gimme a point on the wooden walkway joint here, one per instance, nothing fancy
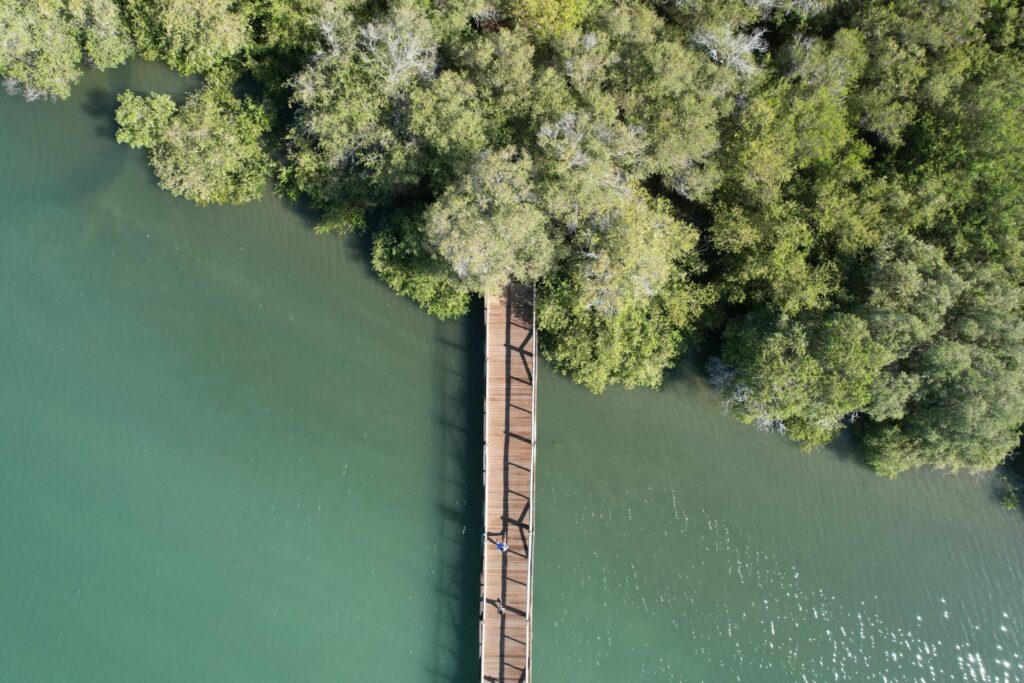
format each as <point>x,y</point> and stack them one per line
<point>506,588</point>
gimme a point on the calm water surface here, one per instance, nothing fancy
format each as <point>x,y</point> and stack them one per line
<point>227,453</point>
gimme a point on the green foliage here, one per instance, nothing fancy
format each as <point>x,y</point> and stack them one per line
<point>549,18</point>
<point>910,290</point>
<point>104,32</point>
<point>44,42</point>
<point>350,146</point>
<point>631,66</point>
<point>208,150</point>
<point>965,410</point>
<point>447,118</point>
<point>193,37</point>
<point>800,377</point>
<point>833,65</point>
<point>623,302</point>
<point>488,225</point>
<point>975,165</point>
<point>453,20</point>
<point>41,50</point>
<point>406,263</point>
<point>285,35</point>
<point>912,261</point>
<point>762,148</point>
<point>768,258</point>
<point>660,84</point>
<point>142,121</point>
<point>634,347</point>
<point>1011,498</point>
<point>919,51</point>
<point>514,96</point>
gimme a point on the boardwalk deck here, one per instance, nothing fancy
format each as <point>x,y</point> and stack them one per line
<point>509,455</point>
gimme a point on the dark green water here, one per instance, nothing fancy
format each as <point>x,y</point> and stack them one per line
<point>227,453</point>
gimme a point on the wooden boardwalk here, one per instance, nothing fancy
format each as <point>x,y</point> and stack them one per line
<point>509,456</point>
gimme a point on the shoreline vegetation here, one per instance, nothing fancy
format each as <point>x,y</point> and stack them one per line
<point>831,189</point>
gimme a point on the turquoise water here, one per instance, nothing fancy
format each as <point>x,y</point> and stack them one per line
<point>228,453</point>
<point>676,544</point>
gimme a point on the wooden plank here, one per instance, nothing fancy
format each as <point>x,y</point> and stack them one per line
<point>509,458</point>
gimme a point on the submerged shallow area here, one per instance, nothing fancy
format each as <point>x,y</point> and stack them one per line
<point>230,453</point>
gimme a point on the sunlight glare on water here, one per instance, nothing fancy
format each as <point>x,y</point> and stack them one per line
<point>678,545</point>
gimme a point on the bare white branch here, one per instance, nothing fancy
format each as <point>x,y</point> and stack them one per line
<point>732,48</point>
<point>399,49</point>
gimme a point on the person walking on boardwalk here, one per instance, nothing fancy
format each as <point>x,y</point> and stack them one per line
<point>501,606</point>
<point>502,545</point>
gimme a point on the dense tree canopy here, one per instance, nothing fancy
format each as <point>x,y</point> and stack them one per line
<point>193,37</point>
<point>488,226</point>
<point>208,150</point>
<point>833,189</point>
<point>43,43</point>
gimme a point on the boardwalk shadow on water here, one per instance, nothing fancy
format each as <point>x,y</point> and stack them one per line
<point>460,363</point>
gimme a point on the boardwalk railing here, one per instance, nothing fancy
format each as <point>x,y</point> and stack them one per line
<point>506,599</point>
